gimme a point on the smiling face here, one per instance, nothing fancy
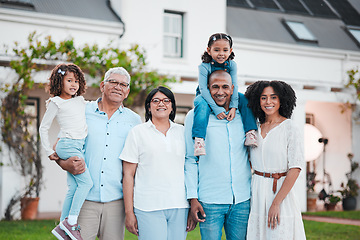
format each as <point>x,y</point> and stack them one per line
<point>269,101</point>
<point>221,88</point>
<point>220,50</point>
<point>70,86</point>
<point>160,107</point>
<point>115,93</point>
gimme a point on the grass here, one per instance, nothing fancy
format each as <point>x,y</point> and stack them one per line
<point>355,215</point>
<point>40,229</point>
<point>330,231</point>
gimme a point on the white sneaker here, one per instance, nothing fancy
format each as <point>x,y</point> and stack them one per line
<point>251,139</point>
<point>199,147</point>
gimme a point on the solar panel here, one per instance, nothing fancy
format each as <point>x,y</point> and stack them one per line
<point>347,12</point>
<point>293,6</point>
<point>238,3</point>
<point>319,8</point>
<point>268,4</point>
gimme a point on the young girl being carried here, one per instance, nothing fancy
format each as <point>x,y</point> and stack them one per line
<point>218,56</point>
<point>67,83</point>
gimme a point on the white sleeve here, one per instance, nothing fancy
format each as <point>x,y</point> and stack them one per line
<point>295,147</point>
<point>130,152</point>
<point>50,114</point>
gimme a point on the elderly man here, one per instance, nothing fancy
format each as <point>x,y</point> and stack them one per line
<point>218,185</point>
<point>109,122</point>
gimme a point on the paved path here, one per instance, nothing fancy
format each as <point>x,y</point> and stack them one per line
<point>332,220</point>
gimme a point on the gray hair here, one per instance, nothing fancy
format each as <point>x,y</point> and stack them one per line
<point>118,70</point>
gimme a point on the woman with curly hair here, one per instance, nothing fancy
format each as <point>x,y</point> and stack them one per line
<point>67,83</point>
<point>277,162</point>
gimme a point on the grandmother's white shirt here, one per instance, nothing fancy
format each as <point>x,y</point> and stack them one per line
<point>159,178</point>
<point>70,114</point>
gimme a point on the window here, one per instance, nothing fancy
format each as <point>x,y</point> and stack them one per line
<point>354,33</point>
<point>299,31</point>
<point>173,34</point>
<point>18,4</point>
<point>32,110</point>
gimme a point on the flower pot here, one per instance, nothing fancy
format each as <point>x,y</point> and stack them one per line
<point>330,206</point>
<point>29,208</point>
<point>311,201</point>
<point>349,203</point>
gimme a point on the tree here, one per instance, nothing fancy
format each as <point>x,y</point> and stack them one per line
<point>24,147</point>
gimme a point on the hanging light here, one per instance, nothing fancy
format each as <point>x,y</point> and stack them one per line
<point>313,148</point>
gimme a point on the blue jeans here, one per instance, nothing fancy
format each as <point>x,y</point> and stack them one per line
<point>202,111</point>
<point>78,185</point>
<point>162,224</point>
<point>233,217</point>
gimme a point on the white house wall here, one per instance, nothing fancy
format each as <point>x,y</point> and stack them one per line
<point>298,65</point>
<point>144,26</point>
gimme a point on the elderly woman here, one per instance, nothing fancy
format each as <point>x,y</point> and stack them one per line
<point>153,167</point>
<point>277,162</point>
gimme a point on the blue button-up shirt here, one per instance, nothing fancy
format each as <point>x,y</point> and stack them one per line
<point>103,145</point>
<point>223,175</point>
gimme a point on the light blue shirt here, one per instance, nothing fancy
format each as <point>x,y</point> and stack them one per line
<point>103,145</point>
<point>223,175</point>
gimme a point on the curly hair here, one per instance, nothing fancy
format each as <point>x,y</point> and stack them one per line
<point>57,77</point>
<point>206,58</point>
<point>168,93</point>
<point>283,90</point>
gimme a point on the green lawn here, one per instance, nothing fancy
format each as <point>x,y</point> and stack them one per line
<point>338,214</point>
<point>40,229</point>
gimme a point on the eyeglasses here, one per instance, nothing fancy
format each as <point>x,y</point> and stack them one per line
<point>157,101</point>
<point>114,83</point>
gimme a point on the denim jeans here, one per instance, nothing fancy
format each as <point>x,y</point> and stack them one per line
<point>201,117</point>
<point>78,185</point>
<point>233,217</point>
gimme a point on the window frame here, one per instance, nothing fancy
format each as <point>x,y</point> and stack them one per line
<point>32,108</point>
<point>352,36</point>
<point>178,36</point>
<point>295,35</point>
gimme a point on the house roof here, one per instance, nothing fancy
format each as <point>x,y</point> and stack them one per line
<point>263,20</point>
<point>90,9</point>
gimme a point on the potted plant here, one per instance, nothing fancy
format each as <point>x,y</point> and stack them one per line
<point>331,201</point>
<point>311,194</point>
<point>23,145</point>
<point>350,189</point>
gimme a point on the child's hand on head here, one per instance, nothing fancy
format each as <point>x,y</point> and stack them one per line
<point>221,116</point>
<point>54,156</point>
<point>231,114</point>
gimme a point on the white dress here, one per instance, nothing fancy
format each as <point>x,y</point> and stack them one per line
<point>279,151</point>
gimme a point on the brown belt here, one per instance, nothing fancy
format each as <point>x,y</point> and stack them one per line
<point>275,176</point>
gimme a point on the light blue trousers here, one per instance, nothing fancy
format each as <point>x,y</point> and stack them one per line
<point>168,224</point>
<point>78,185</point>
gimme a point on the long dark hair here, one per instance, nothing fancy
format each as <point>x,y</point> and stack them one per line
<point>206,58</point>
<point>168,93</point>
<point>283,90</point>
